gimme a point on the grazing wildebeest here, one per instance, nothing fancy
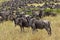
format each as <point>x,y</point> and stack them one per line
<point>40,24</point>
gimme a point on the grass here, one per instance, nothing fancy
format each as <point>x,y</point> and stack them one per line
<point>52,10</point>
<point>9,32</point>
<point>35,4</point>
<point>3,0</point>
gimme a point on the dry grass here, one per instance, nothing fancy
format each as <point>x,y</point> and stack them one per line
<point>40,4</point>
<point>35,4</point>
<point>9,32</point>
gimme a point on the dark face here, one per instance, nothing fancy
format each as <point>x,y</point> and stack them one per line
<point>28,18</point>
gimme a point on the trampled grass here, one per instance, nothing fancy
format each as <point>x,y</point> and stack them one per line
<point>9,32</point>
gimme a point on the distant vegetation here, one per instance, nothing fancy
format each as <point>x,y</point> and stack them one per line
<point>38,4</point>
<point>52,10</point>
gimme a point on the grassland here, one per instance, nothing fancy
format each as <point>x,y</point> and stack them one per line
<point>9,32</point>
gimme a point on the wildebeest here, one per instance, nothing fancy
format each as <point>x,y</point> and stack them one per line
<point>1,19</point>
<point>4,14</point>
<point>57,6</point>
<point>35,13</point>
<point>38,13</point>
<point>22,22</point>
<point>49,14</point>
<point>21,18</point>
<point>40,24</point>
<point>41,13</point>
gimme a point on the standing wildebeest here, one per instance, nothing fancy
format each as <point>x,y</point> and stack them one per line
<point>40,24</point>
<point>22,21</point>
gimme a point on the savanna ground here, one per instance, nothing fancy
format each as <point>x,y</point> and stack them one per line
<point>9,32</point>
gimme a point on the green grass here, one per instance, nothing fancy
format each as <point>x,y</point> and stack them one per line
<point>52,10</point>
<point>9,32</point>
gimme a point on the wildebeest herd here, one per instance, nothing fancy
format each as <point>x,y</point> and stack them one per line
<point>22,19</point>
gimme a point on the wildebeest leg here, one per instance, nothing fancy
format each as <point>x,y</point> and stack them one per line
<point>22,29</point>
<point>48,29</point>
<point>6,17</point>
<point>15,24</point>
<point>33,28</point>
